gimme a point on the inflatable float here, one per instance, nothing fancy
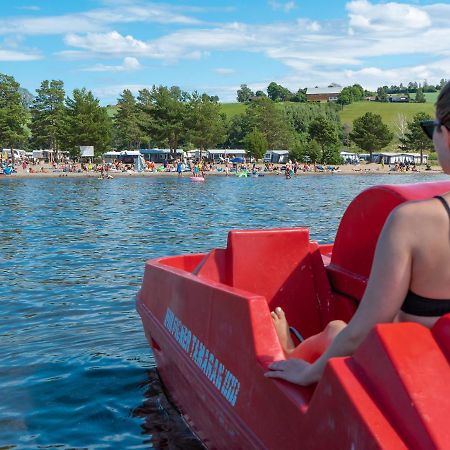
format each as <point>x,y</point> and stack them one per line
<point>197,178</point>
<point>207,318</point>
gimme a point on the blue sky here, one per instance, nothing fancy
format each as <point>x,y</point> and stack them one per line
<point>214,46</point>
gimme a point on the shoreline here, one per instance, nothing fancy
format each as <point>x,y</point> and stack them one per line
<point>367,169</point>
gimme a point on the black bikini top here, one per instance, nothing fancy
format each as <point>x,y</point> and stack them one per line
<point>422,306</point>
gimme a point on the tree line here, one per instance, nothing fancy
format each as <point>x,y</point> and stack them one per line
<point>348,94</point>
<point>169,117</point>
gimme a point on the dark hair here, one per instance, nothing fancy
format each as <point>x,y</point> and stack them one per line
<point>443,105</point>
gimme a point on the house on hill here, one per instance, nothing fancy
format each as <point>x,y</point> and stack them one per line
<point>402,98</point>
<point>323,94</point>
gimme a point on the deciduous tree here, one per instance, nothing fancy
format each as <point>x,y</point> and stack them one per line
<point>325,133</point>
<point>238,127</point>
<point>313,151</point>
<point>420,96</point>
<point>244,94</point>
<point>370,133</point>
<point>256,144</point>
<point>278,93</point>
<point>263,115</point>
<point>415,139</point>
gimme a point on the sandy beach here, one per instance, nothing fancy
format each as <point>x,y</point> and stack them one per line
<point>345,169</point>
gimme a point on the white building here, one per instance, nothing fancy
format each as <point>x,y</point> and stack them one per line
<point>276,156</point>
<point>18,153</point>
<point>349,157</point>
<point>222,154</point>
<point>393,158</point>
<point>159,155</point>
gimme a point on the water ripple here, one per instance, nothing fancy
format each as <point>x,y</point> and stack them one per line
<point>75,368</point>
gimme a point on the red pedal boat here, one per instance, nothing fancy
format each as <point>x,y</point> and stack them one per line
<point>207,318</point>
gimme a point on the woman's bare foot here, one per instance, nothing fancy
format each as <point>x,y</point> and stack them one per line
<point>282,328</point>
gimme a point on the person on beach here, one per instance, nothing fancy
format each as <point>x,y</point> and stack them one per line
<point>409,280</point>
<point>287,172</point>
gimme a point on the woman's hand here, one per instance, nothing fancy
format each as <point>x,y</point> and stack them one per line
<point>296,371</point>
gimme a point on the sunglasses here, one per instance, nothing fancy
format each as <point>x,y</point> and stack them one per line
<point>429,126</point>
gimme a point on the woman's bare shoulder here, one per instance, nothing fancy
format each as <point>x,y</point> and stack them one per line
<point>411,218</point>
<point>421,209</point>
<point>417,218</point>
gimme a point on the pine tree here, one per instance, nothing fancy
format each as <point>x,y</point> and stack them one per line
<point>88,123</point>
<point>206,123</point>
<point>13,115</point>
<point>127,130</point>
<point>164,115</point>
<point>48,116</point>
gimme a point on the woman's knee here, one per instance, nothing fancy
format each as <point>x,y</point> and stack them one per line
<point>333,328</point>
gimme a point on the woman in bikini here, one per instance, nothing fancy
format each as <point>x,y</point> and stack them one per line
<point>409,281</point>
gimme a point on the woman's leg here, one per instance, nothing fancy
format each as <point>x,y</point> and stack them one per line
<point>311,348</point>
<point>314,346</point>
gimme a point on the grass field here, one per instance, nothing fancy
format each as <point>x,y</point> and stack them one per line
<point>431,97</point>
<point>389,112</point>
<point>231,109</point>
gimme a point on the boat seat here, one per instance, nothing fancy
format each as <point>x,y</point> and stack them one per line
<point>283,266</point>
<point>358,233</point>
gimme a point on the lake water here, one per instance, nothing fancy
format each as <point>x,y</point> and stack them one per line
<point>75,368</point>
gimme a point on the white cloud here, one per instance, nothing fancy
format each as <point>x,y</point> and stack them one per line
<point>302,45</point>
<point>129,64</point>
<point>313,26</point>
<point>107,43</point>
<point>10,55</point>
<point>386,17</point>
<point>191,44</point>
<point>95,20</point>
<point>224,71</point>
<point>360,48</point>
<point>280,6</point>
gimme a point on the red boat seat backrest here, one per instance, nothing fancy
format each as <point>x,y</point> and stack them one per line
<point>360,227</point>
<point>286,268</point>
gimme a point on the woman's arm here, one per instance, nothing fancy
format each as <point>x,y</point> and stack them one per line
<point>386,289</point>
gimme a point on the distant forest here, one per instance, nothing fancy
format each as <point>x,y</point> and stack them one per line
<point>168,117</point>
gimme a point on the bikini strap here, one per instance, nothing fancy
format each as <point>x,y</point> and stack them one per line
<point>444,202</point>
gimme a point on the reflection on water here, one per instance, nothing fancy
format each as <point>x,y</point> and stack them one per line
<point>75,368</point>
<point>169,430</point>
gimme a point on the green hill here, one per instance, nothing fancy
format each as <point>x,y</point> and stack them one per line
<point>231,109</point>
<point>389,112</point>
